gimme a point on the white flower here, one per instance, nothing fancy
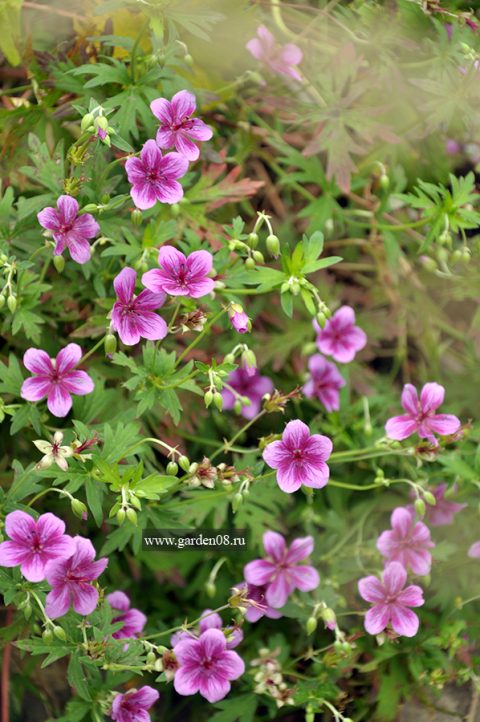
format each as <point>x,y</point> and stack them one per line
<point>53,452</point>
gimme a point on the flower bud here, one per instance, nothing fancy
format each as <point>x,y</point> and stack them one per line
<point>12,304</point>
<point>253,240</point>
<point>237,502</point>
<point>420,507</point>
<point>59,263</point>
<point>59,632</point>
<point>86,122</point>
<point>172,468</point>
<point>311,625</point>
<point>101,122</point>
<point>2,300</point>
<point>210,588</point>
<point>151,658</point>
<point>175,209</point>
<point>47,634</point>
<point>237,406</point>
<point>273,245</point>
<point>134,501</point>
<point>208,397</point>
<point>188,59</point>
<point>132,516</point>
<point>309,714</point>
<point>110,344</point>
<point>429,498</point>
<point>445,239</point>
<point>258,257</point>
<point>121,516</point>
<point>193,468</point>
<point>184,463</point>
<point>384,181</point>
<point>295,287</point>
<point>27,610</point>
<point>136,217</point>
<point>249,263</point>
<point>321,319</point>
<point>229,358</point>
<point>218,400</point>
<point>78,508</point>
<point>90,208</point>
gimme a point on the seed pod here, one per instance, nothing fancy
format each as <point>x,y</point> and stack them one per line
<point>237,406</point>
<point>420,507</point>
<point>132,516</point>
<point>208,398</point>
<point>249,263</point>
<point>12,304</point>
<point>110,344</point>
<point>321,319</point>
<point>258,257</point>
<point>311,625</point>
<point>87,121</point>
<point>253,240</point>
<point>218,400</point>
<point>172,468</point>
<point>151,658</point>
<point>229,358</point>
<point>184,463</point>
<point>47,634</point>
<point>136,217</point>
<point>273,245</point>
<point>59,263</point>
<point>59,632</point>
<point>429,498</point>
<point>121,516</point>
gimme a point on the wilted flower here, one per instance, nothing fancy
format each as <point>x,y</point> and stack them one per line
<point>34,543</point>
<point>133,620</point>
<point>206,666</point>
<point>71,580</point>
<point>341,338</point>
<point>69,229</point>
<point>179,275</point>
<point>249,383</point>
<point>407,542</point>
<point>281,59</point>
<point>281,572</point>
<point>421,416</point>
<point>177,127</point>
<point>299,458</point>
<point>133,706</point>
<point>55,378</point>
<point>205,475</point>
<point>391,601</point>
<point>54,452</point>
<point>154,177</point>
<point>133,316</point>
<point>324,382</point>
<point>192,321</point>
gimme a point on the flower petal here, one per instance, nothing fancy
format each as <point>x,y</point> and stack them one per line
<point>278,591</point>
<point>404,621</point>
<point>431,397</point>
<point>124,284</point>
<point>259,572</point>
<point>183,105</point>
<point>400,427</point>
<point>58,602</point>
<point>68,208</point>
<point>85,598</point>
<point>78,382</point>
<point>377,618</point>
<point>411,596</point>
<point>410,400</point>
<point>68,357</point>
<point>274,545</point>
<point>394,578</point>
<point>305,578</point>
<point>300,549</point>
<point>443,424</point>
<point>371,589</point>
<point>37,361</point>
<point>36,388</point>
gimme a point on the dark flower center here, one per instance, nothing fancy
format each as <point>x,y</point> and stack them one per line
<point>297,455</point>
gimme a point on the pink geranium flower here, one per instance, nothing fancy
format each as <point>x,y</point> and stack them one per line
<point>407,542</point>
<point>340,338</point>
<point>154,177</point>
<point>209,620</point>
<point>421,416</point>
<point>133,706</point>
<point>280,59</point>
<point>69,229</point>
<point>299,458</point>
<point>55,378</point>
<point>474,551</point>
<point>34,543</point>
<point>260,606</point>
<point>281,572</point>
<point>133,620</point>
<point>391,601</point>
<point>133,316</point>
<point>324,383</point>
<point>247,382</point>
<point>444,510</point>
<point>177,127</point>
<point>71,580</point>
<point>206,666</point>
<point>180,275</point>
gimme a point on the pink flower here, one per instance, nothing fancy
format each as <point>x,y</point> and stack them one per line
<point>132,316</point>
<point>421,416</point>
<point>239,320</point>
<point>249,383</point>
<point>206,666</point>
<point>133,620</point>
<point>133,706</point>
<point>281,59</point>
<point>71,579</point>
<point>280,572</point>
<point>341,338</point>
<point>299,458</point>
<point>391,601</point>
<point>69,229</point>
<point>209,620</point>
<point>154,177</point>
<point>474,551</point>
<point>260,607</point>
<point>177,127</point>
<point>407,542</point>
<point>179,275</point>
<point>324,382</point>
<point>444,511</point>
<point>55,378</point>
<point>34,543</point>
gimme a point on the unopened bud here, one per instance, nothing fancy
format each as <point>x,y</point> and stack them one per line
<point>273,245</point>
<point>175,209</point>
<point>2,300</point>
<point>311,625</point>
<point>132,516</point>
<point>47,634</point>
<point>151,658</point>
<point>253,240</point>
<point>59,632</point>
<point>101,122</point>
<point>59,263</point>
<point>249,263</point>
<point>121,516</point>
<point>218,400</point>
<point>321,319</point>
<point>445,239</point>
<point>384,181</point>
<point>229,358</point>
<point>188,59</point>
<point>237,406</point>
<point>12,304</point>
<point>210,588</point>
<point>258,257</point>
<point>429,498</point>
<point>420,507</point>
<point>237,502</point>
<point>249,358</point>
<point>78,508</point>
<point>110,344</point>
<point>193,468</point>
<point>184,463</point>
<point>172,468</point>
<point>136,217</point>
<point>208,398</point>
<point>86,121</point>
<point>27,610</point>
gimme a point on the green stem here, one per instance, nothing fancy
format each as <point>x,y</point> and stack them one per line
<point>92,350</point>
<point>187,626</point>
<point>228,444</point>
<point>62,492</point>
<point>200,336</point>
